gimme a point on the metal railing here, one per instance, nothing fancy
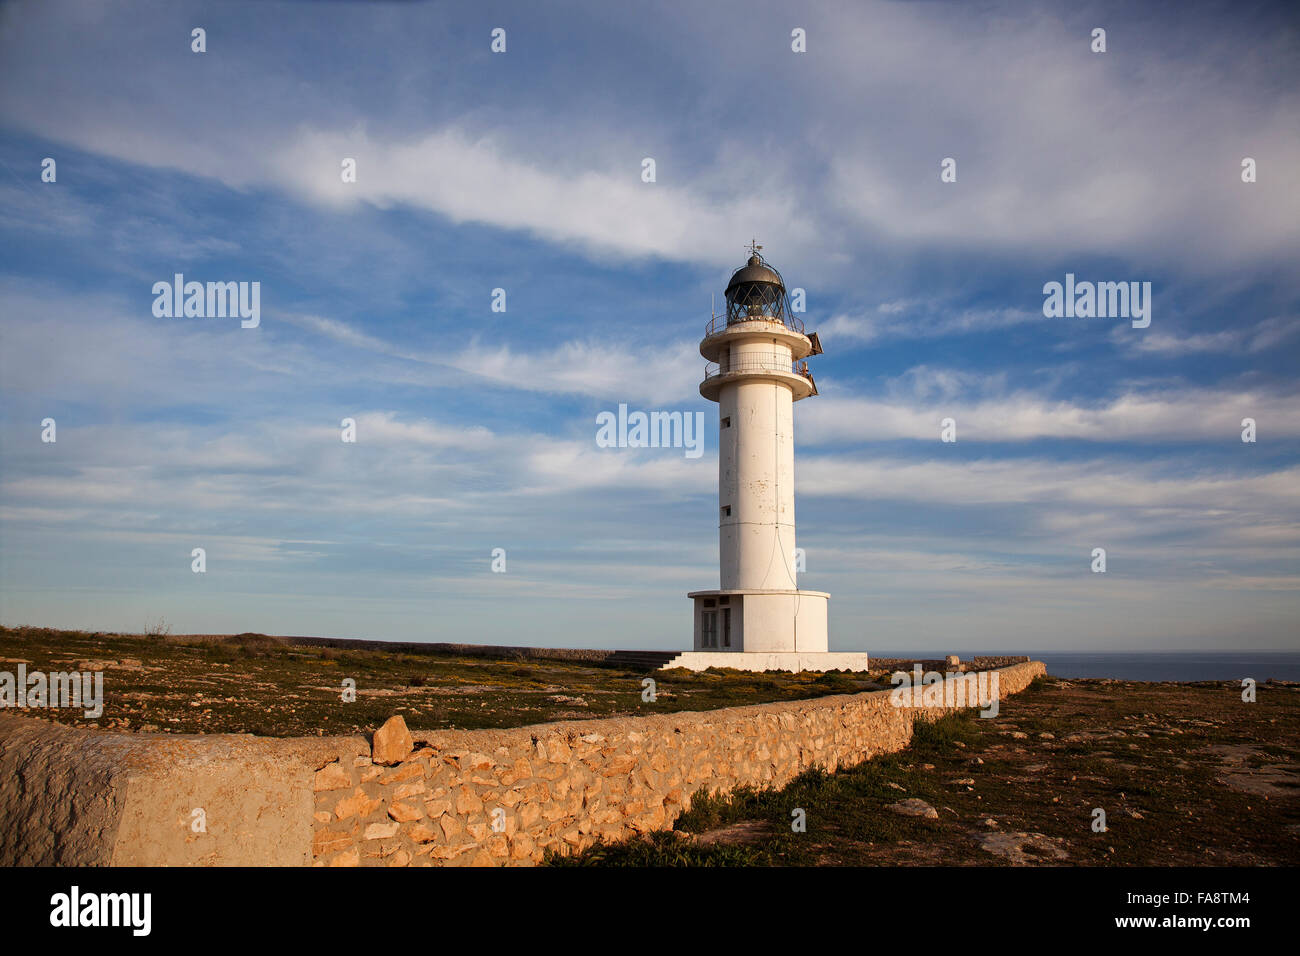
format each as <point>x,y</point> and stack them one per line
<point>719,322</point>
<point>761,362</point>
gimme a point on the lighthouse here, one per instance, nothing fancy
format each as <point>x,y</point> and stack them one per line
<point>759,618</point>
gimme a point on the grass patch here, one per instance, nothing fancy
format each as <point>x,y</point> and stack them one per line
<point>268,686</point>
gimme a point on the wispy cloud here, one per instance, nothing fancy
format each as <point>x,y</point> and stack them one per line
<point>1132,416</point>
<point>1238,339</point>
<point>916,320</point>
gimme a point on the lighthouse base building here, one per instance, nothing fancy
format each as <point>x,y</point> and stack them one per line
<point>759,618</point>
<point>764,631</point>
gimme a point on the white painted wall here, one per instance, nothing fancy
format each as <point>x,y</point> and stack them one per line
<point>786,623</point>
<point>756,478</point>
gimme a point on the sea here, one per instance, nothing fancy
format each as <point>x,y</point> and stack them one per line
<point>1156,666</point>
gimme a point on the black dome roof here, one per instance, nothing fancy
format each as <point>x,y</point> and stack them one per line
<point>756,270</point>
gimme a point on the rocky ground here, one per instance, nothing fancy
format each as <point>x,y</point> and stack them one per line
<point>252,683</point>
<point>1186,774</point>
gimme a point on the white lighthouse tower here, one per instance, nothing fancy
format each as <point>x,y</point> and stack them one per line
<point>759,618</point>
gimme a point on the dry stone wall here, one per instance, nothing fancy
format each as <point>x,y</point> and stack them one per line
<point>476,797</point>
<point>565,786</point>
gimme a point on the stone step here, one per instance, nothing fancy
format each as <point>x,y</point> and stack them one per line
<point>640,660</point>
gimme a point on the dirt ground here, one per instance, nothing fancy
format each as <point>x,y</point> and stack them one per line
<point>270,687</point>
<point>1186,774</point>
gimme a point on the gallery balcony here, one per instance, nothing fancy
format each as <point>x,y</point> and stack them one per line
<point>774,367</point>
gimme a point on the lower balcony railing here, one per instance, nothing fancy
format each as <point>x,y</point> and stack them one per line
<point>751,362</point>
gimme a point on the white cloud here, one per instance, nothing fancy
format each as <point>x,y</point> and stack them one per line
<point>1058,149</point>
<point>346,334</point>
<point>1238,339</point>
<point>1155,416</point>
<point>470,178</point>
<point>1099,483</point>
<point>916,320</point>
<point>667,374</point>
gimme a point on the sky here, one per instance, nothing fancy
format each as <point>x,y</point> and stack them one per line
<point>524,171</point>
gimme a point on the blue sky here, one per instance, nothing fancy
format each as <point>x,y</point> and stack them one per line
<point>522,171</point>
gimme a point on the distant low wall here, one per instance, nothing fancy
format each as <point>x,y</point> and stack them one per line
<point>579,655</point>
<point>78,797</point>
<point>940,664</point>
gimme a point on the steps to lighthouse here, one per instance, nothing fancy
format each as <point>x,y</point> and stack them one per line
<point>640,660</point>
